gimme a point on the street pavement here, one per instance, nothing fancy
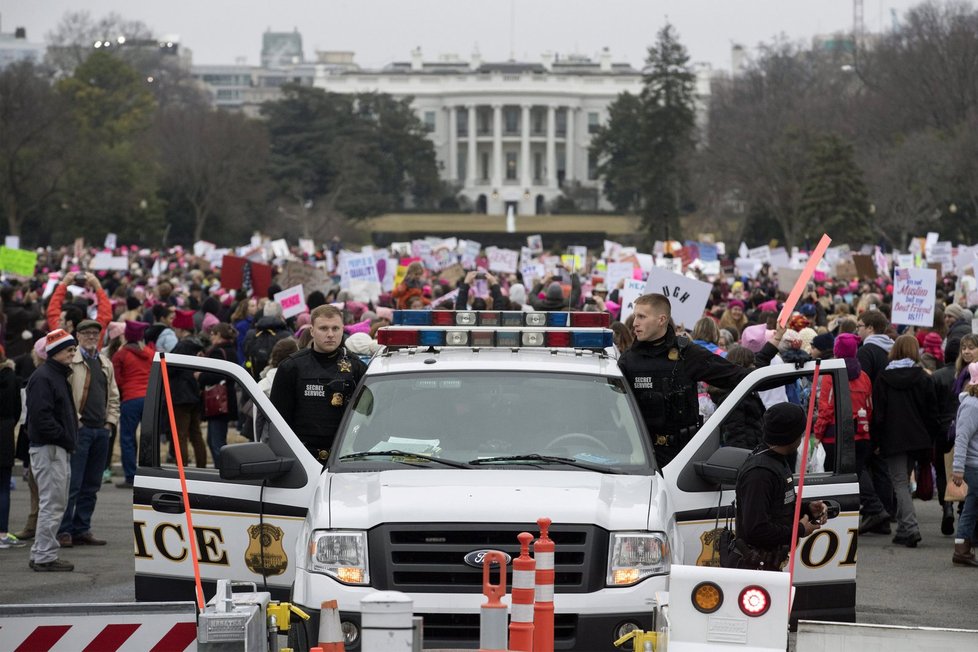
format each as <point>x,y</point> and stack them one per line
<point>895,585</point>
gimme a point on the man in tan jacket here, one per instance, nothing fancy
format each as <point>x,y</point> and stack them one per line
<point>96,397</point>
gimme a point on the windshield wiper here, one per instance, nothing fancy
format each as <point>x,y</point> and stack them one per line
<point>400,453</point>
<point>551,459</point>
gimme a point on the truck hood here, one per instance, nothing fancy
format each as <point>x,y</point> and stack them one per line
<point>615,502</point>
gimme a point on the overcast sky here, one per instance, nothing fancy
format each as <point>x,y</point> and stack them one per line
<point>381,31</point>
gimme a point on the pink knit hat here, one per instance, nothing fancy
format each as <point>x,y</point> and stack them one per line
<point>754,337</point>
<point>973,370</point>
<point>208,321</point>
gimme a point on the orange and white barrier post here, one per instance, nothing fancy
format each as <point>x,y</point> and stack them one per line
<point>543,607</point>
<point>330,631</point>
<point>524,580</point>
<point>492,614</point>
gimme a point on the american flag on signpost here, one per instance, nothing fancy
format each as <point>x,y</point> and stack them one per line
<point>902,275</point>
<point>246,279</point>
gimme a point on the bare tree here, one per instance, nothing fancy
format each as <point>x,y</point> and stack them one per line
<point>73,40</point>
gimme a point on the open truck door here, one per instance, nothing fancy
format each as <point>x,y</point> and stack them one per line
<point>825,564</point>
<point>247,516</point>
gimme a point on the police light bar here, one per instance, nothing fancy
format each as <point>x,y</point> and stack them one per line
<point>501,318</point>
<point>502,329</point>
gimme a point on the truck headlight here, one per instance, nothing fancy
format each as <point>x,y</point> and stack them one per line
<point>342,555</point>
<point>633,556</point>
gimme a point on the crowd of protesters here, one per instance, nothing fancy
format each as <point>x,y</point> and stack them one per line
<point>906,384</point>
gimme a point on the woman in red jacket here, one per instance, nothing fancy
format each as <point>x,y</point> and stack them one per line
<point>132,365</point>
<point>874,517</point>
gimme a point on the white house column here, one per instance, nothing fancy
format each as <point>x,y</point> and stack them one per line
<point>497,145</point>
<point>571,144</point>
<point>551,147</point>
<point>470,168</point>
<point>525,177</point>
<point>452,143</point>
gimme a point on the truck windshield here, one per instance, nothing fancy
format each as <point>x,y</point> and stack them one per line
<point>471,416</point>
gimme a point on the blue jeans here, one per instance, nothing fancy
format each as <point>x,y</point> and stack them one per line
<point>969,515</point>
<point>87,464</point>
<point>130,414</point>
<point>217,436</point>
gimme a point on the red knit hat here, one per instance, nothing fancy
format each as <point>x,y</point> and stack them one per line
<point>184,320</point>
<point>933,344</point>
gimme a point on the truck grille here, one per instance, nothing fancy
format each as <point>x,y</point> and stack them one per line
<point>446,629</point>
<point>429,558</point>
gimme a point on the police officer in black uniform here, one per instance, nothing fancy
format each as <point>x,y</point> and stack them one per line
<point>766,495</point>
<point>313,386</point>
<point>663,370</point>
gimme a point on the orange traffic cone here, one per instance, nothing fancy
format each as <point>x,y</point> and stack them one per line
<point>330,631</point>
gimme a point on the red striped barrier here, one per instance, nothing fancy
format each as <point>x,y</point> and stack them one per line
<point>543,607</point>
<point>117,637</point>
<point>524,581</point>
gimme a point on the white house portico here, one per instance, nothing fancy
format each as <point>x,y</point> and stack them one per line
<point>506,134</point>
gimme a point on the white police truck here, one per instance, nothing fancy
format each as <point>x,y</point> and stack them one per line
<point>467,428</point>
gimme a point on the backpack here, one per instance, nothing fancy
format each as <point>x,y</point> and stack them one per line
<point>260,351</point>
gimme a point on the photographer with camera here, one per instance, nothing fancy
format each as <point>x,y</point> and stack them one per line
<point>765,502</point>
<point>68,315</point>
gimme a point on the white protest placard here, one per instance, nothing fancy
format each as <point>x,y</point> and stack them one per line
<point>449,296</point>
<point>49,287</point>
<point>532,272</point>
<point>632,290</point>
<point>110,241</point>
<point>11,242</point>
<point>780,258</point>
<point>616,272</point>
<point>747,267</point>
<point>534,243</point>
<point>360,267</point>
<point>743,251</point>
<point>469,253</point>
<point>940,252</point>
<point>420,248</point>
<point>504,261</point>
<point>108,261</point>
<point>645,261</point>
<point>687,296</point>
<point>611,250</point>
<point>448,243</point>
<point>308,246</point>
<point>905,260</point>
<point>930,241</point>
<point>292,300</point>
<point>763,254</point>
<point>711,268</point>
<point>787,277</point>
<point>280,248</point>
<point>202,248</point>
<point>914,296</point>
<point>672,264</point>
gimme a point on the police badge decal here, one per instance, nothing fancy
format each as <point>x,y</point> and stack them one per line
<point>265,554</point>
<point>344,366</point>
<point>337,400</point>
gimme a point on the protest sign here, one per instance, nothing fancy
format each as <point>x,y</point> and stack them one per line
<point>401,249</point>
<point>930,241</point>
<point>747,267</point>
<point>110,241</point>
<point>645,261</point>
<point>360,267</point>
<point>617,272</point>
<point>687,296</point>
<point>11,242</point>
<point>672,264</point>
<point>611,250</point>
<point>105,261</point>
<point>18,262</point>
<point>632,290</point>
<point>470,251</point>
<point>532,272</point>
<point>780,258</point>
<point>572,262</point>
<point>452,273</point>
<point>280,249</point>
<point>803,279</point>
<point>202,248</point>
<point>846,271</point>
<point>787,277</point>
<point>233,275</point>
<point>449,296</point>
<point>292,300</point>
<point>914,296</point>
<point>307,246</point>
<point>940,252</point>
<point>420,248</point>
<point>309,277</point>
<point>762,254</point>
<point>709,252</point>
<point>865,266</point>
<point>534,243</point>
<point>905,260</point>
<point>504,261</point>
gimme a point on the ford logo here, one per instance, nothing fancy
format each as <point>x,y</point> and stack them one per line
<point>476,557</point>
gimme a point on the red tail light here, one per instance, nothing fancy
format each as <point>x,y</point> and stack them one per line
<point>754,601</point>
<point>590,320</point>
<point>390,337</point>
<point>558,338</point>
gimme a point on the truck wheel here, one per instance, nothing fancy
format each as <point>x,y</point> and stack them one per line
<point>298,637</point>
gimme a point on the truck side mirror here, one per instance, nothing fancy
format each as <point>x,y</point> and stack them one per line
<point>252,461</point>
<point>722,466</point>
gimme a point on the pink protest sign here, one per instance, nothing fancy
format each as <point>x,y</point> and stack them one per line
<point>806,275</point>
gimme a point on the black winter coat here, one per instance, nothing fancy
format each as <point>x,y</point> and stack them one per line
<point>51,414</point>
<point>873,359</point>
<point>183,386</point>
<point>742,427</point>
<point>904,411</point>
<point>9,411</point>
